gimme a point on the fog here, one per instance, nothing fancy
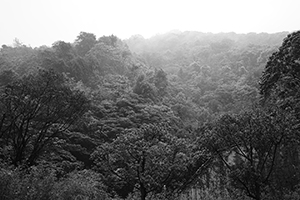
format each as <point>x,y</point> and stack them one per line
<point>37,23</point>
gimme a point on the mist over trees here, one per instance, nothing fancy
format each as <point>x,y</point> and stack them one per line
<point>102,118</point>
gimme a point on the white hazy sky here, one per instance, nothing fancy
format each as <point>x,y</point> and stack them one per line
<point>42,22</point>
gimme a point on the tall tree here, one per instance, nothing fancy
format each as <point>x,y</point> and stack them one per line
<point>251,146</point>
<point>34,111</point>
<point>84,42</point>
<point>151,159</point>
<point>63,50</point>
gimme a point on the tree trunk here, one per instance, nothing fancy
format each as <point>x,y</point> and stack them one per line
<point>143,192</point>
<point>257,192</point>
<point>17,158</point>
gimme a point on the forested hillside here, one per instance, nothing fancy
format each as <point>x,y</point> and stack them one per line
<point>102,118</point>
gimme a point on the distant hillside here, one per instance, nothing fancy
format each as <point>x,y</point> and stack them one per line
<point>176,39</point>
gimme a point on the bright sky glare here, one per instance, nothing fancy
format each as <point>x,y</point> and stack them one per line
<point>42,22</point>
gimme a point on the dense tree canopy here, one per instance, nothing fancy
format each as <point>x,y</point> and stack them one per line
<point>151,159</point>
<point>253,147</point>
<point>102,118</point>
<point>84,42</point>
<point>34,111</point>
<point>281,76</point>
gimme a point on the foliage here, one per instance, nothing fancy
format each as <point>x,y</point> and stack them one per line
<point>36,183</point>
<point>40,182</point>
<point>6,77</point>
<point>149,158</point>
<point>166,114</point>
<point>20,59</point>
<point>251,146</point>
<point>282,70</point>
<point>80,185</point>
<point>34,111</point>
<point>84,42</point>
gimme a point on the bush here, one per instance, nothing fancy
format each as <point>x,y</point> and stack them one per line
<point>40,183</point>
<point>80,185</point>
<point>30,184</point>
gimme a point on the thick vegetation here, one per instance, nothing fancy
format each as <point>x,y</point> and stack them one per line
<point>151,118</point>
